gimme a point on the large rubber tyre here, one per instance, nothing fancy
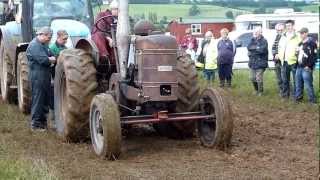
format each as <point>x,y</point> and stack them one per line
<point>105,127</point>
<point>6,70</point>
<point>188,100</point>
<point>74,87</point>
<point>215,132</point>
<point>24,91</point>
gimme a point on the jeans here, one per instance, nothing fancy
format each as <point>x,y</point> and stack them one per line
<point>286,69</point>
<point>277,69</point>
<point>209,74</point>
<point>304,77</point>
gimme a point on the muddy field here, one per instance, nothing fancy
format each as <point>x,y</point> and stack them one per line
<point>268,143</point>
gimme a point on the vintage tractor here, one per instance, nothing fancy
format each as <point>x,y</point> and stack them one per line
<point>148,83</point>
<point>74,16</point>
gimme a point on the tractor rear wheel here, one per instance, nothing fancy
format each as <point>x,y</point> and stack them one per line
<point>215,131</point>
<point>24,91</point>
<point>74,87</point>
<point>6,70</point>
<point>105,127</point>
<point>188,100</point>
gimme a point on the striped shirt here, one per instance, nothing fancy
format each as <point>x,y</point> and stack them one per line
<point>276,44</point>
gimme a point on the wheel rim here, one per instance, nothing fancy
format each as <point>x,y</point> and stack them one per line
<point>97,130</point>
<point>207,127</point>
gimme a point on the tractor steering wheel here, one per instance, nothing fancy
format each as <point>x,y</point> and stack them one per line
<point>104,19</point>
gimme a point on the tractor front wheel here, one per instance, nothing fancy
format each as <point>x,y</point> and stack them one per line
<point>215,131</point>
<point>105,127</point>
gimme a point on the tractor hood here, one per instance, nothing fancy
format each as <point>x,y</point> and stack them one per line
<point>76,30</point>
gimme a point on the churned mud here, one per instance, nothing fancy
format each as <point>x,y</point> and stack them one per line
<point>267,143</point>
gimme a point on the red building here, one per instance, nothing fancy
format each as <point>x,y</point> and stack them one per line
<point>199,27</point>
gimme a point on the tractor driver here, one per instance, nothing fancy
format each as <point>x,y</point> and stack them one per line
<point>103,40</point>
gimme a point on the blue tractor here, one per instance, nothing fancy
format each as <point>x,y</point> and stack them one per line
<point>74,16</point>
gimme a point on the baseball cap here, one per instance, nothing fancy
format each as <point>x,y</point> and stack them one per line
<point>303,30</point>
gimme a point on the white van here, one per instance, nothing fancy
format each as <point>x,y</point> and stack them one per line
<point>268,21</point>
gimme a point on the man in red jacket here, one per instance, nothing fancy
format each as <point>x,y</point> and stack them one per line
<point>101,32</point>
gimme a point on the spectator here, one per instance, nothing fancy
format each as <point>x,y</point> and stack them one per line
<point>258,59</point>
<point>210,64</point>
<point>226,52</point>
<point>39,61</point>
<point>288,45</point>
<point>187,39</point>
<point>203,49</point>
<point>279,28</point>
<point>190,51</point>
<point>306,60</point>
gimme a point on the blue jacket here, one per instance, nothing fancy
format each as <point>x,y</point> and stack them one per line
<point>38,61</point>
<point>226,51</point>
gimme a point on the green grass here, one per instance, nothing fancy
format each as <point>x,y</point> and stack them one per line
<point>307,8</point>
<point>12,169</point>
<point>14,163</point>
<point>310,8</point>
<point>174,11</point>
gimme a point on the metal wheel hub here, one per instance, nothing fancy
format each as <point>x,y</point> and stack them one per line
<point>207,127</point>
<point>97,130</point>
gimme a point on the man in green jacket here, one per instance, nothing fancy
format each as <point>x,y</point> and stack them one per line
<point>55,49</point>
<point>60,44</point>
<point>287,54</point>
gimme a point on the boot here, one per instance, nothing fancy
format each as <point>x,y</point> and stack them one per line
<point>229,83</point>
<point>260,88</point>
<point>255,86</point>
<point>222,83</point>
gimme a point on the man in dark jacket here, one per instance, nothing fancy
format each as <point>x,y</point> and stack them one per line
<point>226,52</point>
<point>306,61</point>
<point>258,59</point>
<point>40,61</point>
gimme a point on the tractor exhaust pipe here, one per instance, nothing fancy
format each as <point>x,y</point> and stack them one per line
<point>123,29</point>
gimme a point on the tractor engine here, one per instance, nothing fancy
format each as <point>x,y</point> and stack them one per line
<point>151,72</point>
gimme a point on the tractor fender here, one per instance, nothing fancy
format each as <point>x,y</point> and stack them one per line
<point>89,46</point>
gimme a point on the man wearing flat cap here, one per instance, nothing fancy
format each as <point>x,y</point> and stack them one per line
<point>307,55</point>
<point>40,61</point>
